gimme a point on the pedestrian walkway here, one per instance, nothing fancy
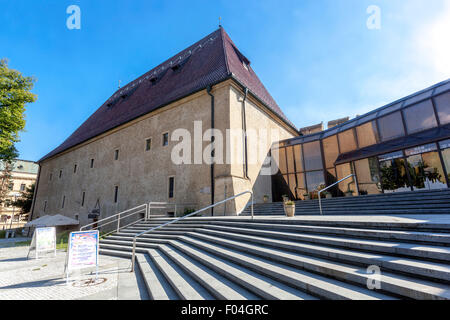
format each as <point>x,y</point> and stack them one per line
<point>44,279</point>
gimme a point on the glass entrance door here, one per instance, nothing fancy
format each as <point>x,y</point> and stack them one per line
<point>393,173</point>
<point>425,169</point>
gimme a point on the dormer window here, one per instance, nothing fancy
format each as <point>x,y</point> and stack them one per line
<point>153,80</point>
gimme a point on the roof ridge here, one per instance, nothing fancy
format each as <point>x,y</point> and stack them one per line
<point>166,64</point>
<point>225,54</point>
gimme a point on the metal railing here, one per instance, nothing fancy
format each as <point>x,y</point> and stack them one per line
<point>165,205</point>
<point>143,208</point>
<point>347,177</point>
<point>133,255</point>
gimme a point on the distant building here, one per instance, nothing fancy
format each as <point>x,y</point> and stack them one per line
<point>312,129</point>
<point>334,123</point>
<point>23,175</point>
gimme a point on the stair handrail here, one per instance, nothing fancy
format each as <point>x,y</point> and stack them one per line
<point>133,255</point>
<point>99,223</point>
<point>164,205</point>
<point>320,199</point>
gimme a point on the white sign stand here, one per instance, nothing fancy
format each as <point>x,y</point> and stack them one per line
<point>82,252</point>
<point>44,240</point>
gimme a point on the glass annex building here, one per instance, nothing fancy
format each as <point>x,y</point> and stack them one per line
<point>403,146</point>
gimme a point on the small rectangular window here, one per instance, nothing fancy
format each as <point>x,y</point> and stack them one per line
<point>75,169</point>
<point>11,186</point>
<point>82,198</point>
<point>116,154</point>
<point>63,201</point>
<point>22,187</point>
<point>51,176</point>
<point>165,141</point>
<point>171,186</point>
<point>148,144</point>
<point>116,193</point>
<point>92,163</point>
<point>45,205</point>
<point>60,174</point>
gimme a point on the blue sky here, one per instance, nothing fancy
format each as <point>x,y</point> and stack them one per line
<point>317,58</point>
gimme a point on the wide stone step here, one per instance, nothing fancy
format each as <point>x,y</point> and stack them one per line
<point>366,211</point>
<point>431,252</point>
<point>354,221</point>
<point>220,287</point>
<point>157,286</point>
<point>186,287</point>
<point>430,270</point>
<point>358,205</point>
<point>299,279</point>
<point>261,286</point>
<point>396,248</point>
<point>409,236</point>
<point>405,222</point>
<point>392,283</point>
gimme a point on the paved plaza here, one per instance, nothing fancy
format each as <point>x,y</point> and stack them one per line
<point>43,279</point>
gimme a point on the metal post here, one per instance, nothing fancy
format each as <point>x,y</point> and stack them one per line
<point>320,203</point>
<point>118,223</point>
<point>133,254</point>
<point>252,205</point>
<point>225,204</point>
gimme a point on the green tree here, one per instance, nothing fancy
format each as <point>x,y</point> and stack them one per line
<point>14,95</point>
<point>25,200</point>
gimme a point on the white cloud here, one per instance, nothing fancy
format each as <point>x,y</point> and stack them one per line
<point>433,41</point>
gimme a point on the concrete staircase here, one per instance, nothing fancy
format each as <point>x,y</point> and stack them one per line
<point>281,258</point>
<point>418,202</point>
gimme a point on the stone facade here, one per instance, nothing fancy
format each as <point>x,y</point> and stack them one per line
<point>143,176</point>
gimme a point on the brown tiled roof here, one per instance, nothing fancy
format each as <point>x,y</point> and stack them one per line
<point>211,60</point>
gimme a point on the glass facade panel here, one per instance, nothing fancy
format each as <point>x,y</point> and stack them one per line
<point>301,188</point>
<point>367,134</point>
<point>420,117</point>
<point>368,176</point>
<point>347,141</point>
<point>389,109</point>
<point>314,179</point>
<point>443,107</point>
<point>444,144</point>
<point>290,159</point>
<point>426,171</point>
<point>298,157</point>
<point>390,156</point>
<point>391,126</point>
<point>421,149</point>
<point>446,157</point>
<point>343,170</point>
<point>393,175</point>
<point>282,160</point>
<point>330,150</point>
<point>313,156</point>
<point>292,185</point>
